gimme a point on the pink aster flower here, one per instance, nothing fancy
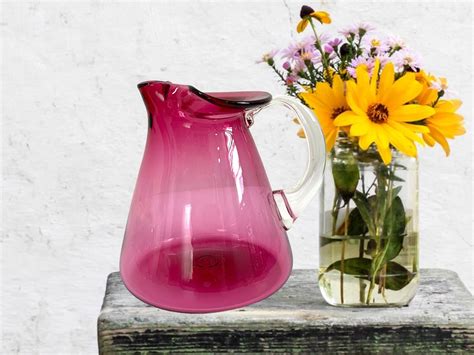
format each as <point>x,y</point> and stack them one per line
<point>357,30</point>
<point>308,56</point>
<point>367,61</point>
<point>349,31</point>
<point>297,66</point>
<point>395,42</point>
<point>323,38</point>
<point>365,27</point>
<point>332,44</point>
<point>291,80</point>
<point>335,42</point>
<point>375,46</point>
<point>316,58</point>
<point>384,59</point>
<point>294,50</point>
<point>406,58</point>
<point>328,49</point>
<point>267,57</point>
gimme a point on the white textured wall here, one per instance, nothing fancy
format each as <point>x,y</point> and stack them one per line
<point>74,130</point>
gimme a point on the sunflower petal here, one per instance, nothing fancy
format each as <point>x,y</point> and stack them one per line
<point>338,91</point>
<point>416,127</point>
<point>428,139</point>
<point>438,137</point>
<point>449,131</point>
<point>353,99</point>
<point>347,118</point>
<point>405,130</point>
<point>331,139</point>
<point>410,113</point>
<point>448,105</point>
<point>427,96</point>
<point>322,109</point>
<point>447,119</point>
<point>382,139</point>
<point>366,140</point>
<point>402,91</point>
<point>375,77</point>
<point>321,16</point>
<point>324,93</point>
<point>359,129</point>
<point>456,103</point>
<point>399,141</point>
<point>385,153</point>
<point>363,87</point>
<point>301,25</point>
<point>386,79</point>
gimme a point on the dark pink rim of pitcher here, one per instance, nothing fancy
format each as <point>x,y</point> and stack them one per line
<point>240,99</point>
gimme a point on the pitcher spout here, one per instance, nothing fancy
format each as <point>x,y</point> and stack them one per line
<point>164,95</point>
<point>154,94</point>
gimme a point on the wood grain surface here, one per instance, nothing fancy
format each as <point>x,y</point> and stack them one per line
<point>440,319</point>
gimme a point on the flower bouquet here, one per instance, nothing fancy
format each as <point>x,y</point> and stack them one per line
<point>375,103</point>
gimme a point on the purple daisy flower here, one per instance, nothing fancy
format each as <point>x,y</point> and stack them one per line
<point>268,56</point>
<point>406,58</point>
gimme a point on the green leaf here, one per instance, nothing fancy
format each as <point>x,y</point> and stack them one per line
<point>400,166</point>
<point>395,219</point>
<point>325,241</point>
<point>371,248</point>
<point>364,210</point>
<point>388,174</point>
<point>380,202</point>
<point>397,275</point>
<point>345,172</point>
<point>394,177</point>
<point>357,225</point>
<point>395,192</point>
<point>394,229</point>
<point>353,266</point>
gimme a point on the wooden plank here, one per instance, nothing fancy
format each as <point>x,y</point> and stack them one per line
<point>439,319</point>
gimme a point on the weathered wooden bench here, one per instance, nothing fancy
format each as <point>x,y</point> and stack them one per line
<point>295,319</point>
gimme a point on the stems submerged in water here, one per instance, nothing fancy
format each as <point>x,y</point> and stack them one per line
<point>343,251</point>
<point>361,281</point>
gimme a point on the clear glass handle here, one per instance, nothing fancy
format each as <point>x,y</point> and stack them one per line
<point>292,201</point>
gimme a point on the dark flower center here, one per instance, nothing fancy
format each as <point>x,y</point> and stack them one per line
<point>305,11</point>
<point>337,111</point>
<point>378,113</point>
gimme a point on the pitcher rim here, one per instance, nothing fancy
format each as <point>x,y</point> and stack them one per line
<point>248,99</point>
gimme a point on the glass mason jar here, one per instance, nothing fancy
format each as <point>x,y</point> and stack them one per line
<point>368,228</point>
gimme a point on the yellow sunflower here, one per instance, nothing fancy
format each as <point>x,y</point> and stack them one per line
<point>327,103</point>
<point>445,123</point>
<point>307,13</point>
<point>428,95</point>
<point>379,112</point>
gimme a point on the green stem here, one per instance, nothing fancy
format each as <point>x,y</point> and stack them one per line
<point>371,289</point>
<point>311,68</point>
<point>324,59</point>
<point>335,211</point>
<point>343,252</point>
<point>379,258</point>
<point>280,75</point>
<point>361,281</point>
<point>361,250</point>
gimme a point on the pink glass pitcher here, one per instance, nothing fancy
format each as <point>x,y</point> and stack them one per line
<point>205,231</point>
